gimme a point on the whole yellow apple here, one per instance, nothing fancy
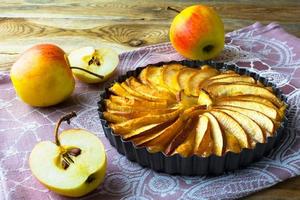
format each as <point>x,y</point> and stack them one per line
<point>42,76</point>
<point>197,33</point>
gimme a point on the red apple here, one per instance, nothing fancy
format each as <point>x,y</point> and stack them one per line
<point>197,33</point>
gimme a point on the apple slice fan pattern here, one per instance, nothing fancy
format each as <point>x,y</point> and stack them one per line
<point>267,50</point>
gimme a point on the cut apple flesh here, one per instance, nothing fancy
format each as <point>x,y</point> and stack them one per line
<point>154,75</point>
<point>126,108</point>
<point>114,118</point>
<point>204,99</point>
<point>134,113</point>
<point>231,126</point>
<point>250,98</point>
<point>136,102</point>
<point>117,89</point>
<point>268,111</point>
<point>101,61</point>
<point>262,120</point>
<point>126,127</point>
<point>143,76</point>
<point>185,100</point>
<point>169,76</point>
<point>203,141</point>
<point>181,136</point>
<point>196,80</point>
<point>148,91</point>
<point>231,79</point>
<point>251,128</point>
<point>217,134</point>
<point>232,143</point>
<point>72,181</point>
<point>158,137</point>
<point>148,130</point>
<point>186,148</point>
<point>238,89</point>
<point>183,78</point>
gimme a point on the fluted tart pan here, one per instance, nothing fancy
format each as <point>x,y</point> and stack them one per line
<point>193,165</point>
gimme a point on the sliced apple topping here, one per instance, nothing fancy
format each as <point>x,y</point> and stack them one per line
<point>204,98</point>
<point>183,78</point>
<point>169,76</point>
<point>197,79</point>
<point>203,140</point>
<point>219,90</point>
<point>252,129</point>
<point>179,110</point>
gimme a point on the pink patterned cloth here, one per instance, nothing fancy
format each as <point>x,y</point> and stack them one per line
<point>268,50</point>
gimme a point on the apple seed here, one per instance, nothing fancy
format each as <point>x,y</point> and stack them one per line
<point>74,152</point>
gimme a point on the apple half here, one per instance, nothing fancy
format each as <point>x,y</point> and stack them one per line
<point>72,166</point>
<point>102,61</point>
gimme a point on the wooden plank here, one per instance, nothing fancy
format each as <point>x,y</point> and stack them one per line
<point>150,10</point>
<point>17,34</point>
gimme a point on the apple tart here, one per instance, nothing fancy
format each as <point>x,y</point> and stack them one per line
<point>182,111</point>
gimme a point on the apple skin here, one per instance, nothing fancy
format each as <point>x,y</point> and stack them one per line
<point>42,76</point>
<point>197,33</point>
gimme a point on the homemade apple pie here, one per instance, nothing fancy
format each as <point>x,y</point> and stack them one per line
<point>176,109</point>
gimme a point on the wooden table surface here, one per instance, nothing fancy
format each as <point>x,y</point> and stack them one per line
<point>126,25</point>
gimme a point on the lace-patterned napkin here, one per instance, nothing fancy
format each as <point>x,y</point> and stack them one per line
<point>268,50</point>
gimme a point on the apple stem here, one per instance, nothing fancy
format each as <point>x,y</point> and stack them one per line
<point>173,9</point>
<point>66,118</point>
<point>87,71</point>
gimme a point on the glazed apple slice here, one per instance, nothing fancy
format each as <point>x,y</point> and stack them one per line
<point>226,75</point>
<point>262,120</point>
<point>250,98</point>
<point>154,75</point>
<point>117,89</point>
<point>203,145</point>
<point>186,100</point>
<point>135,102</point>
<point>204,98</point>
<point>232,143</point>
<point>140,94</point>
<point>121,116</point>
<point>251,128</point>
<point>231,126</point>
<point>216,133</point>
<point>196,80</point>
<point>183,78</point>
<point>126,127</point>
<point>157,141</point>
<point>161,137</point>
<point>268,111</point>
<point>143,76</point>
<point>148,91</point>
<point>218,90</point>
<point>169,76</point>
<point>181,137</point>
<point>114,118</point>
<point>186,148</point>
<point>125,108</point>
<point>148,130</point>
<point>231,79</point>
